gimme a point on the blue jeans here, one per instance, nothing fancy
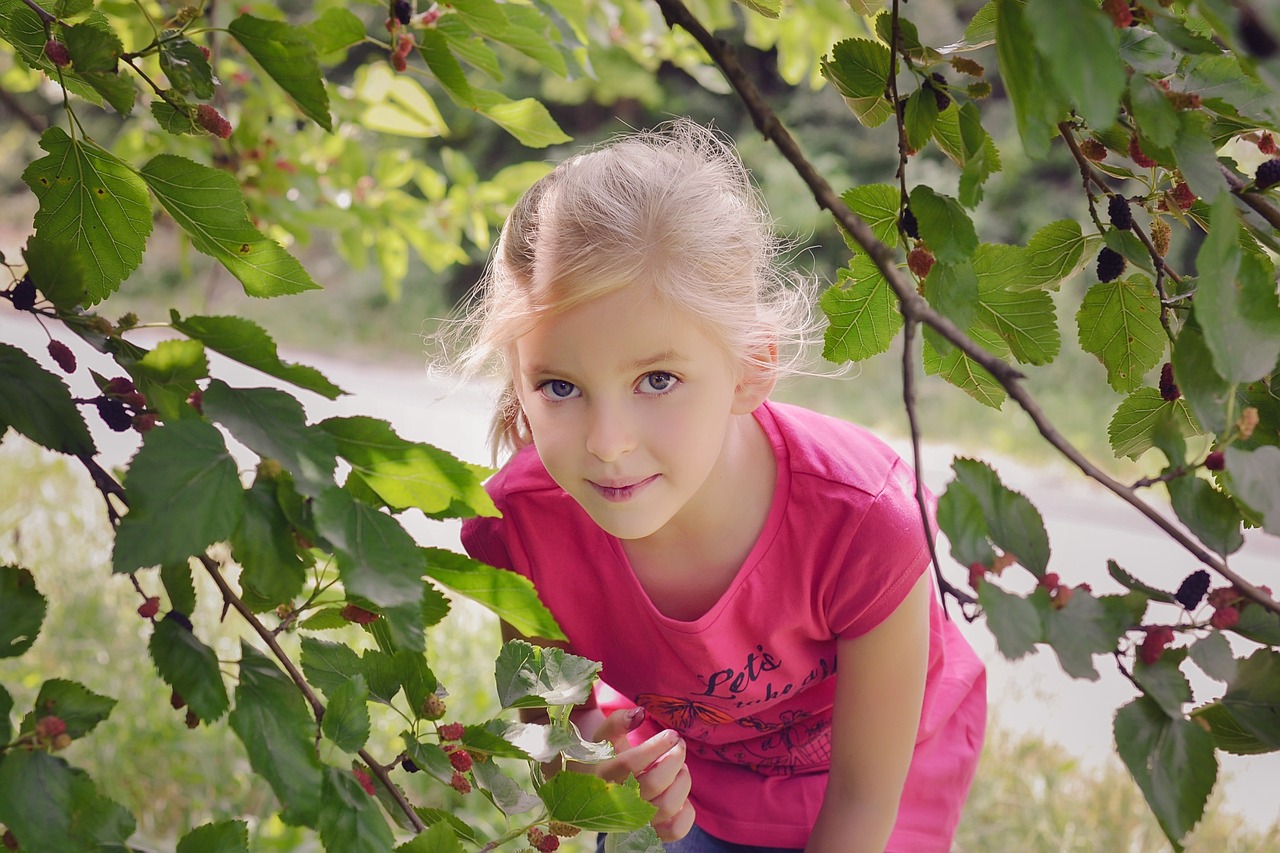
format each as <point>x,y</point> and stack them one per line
<point>698,841</point>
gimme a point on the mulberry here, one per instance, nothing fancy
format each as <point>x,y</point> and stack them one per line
<point>213,121</point>
<point>562,829</point>
<point>433,707</point>
<point>114,414</point>
<point>402,10</point>
<point>358,615</point>
<point>451,731</point>
<point>63,355</point>
<point>1169,390</point>
<point>1161,234</point>
<point>1192,589</point>
<point>1268,174</point>
<point>1135,154</point>
<point>50,727</point>
<point>909,225</point>
<point>460,784</point>
<point>24,294</point>
<point>1110,264</point>
<point>1121,14</point>
<point>149,608</point>
<point>461,760</point>
<point>1154,643</point>
<point>938,84</point>
<point>1119,213</point>
<point>365,782</point>
<point>1183,195</point>
<point>1093,150</point>
<point>1224,617</point>
<point>1215,461</point>
<point>57,53</point>
<point>1267,143</point>
<point>408,766</point>
<point>920,260</point>
<point>119,386</point>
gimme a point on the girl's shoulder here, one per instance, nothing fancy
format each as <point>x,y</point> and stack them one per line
<point>831,449</point>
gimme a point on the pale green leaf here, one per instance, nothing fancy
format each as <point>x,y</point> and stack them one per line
<point>876,205</point>
<point>511,596</point>
<point>248,343</point>
<point>1054,254</point>
<point>526,119</point>
<point>862,311</point>
<point>858,68</point>
<point>1133,426</point>
<point>965,373</point>
<point>289,57</point>
<point>1119,323</point>
<point>593,804</point>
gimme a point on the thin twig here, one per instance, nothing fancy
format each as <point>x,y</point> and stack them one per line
<point>45,17</point>
<point>15,106</point>
<point>913,305</point>
<point>1254,200</point>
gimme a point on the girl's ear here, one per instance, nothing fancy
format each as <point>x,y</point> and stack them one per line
<point>759,375</point>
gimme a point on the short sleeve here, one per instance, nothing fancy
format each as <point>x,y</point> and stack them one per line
<point>885,557</point>
<point>482,540</point>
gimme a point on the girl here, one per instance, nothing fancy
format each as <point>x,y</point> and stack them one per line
<point>777,671</point>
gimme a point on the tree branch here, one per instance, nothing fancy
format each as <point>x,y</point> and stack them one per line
<point>15,106</point>
<point>913,305</point>
<point>1256,201</point>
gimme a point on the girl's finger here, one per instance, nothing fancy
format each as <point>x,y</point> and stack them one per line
<point>658,776</point>
<point>678,827</point>
<point>673,798</point>
<point>617,725</point>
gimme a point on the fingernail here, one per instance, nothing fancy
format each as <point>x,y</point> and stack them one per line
<point>634,718</point>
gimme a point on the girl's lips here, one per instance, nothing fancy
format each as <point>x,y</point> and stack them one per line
<point>621,492</point>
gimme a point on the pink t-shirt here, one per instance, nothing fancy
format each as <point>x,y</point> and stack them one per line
<point>750,684</point>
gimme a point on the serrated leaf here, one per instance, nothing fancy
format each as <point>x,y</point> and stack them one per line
<point>186,66</point>
<point>407,473</point>
<point>174,121</point>
<point>76,705</point>
<point>273,425</point>
<point>335,29</point>
<point>1015,524</point>
<point>438,837</point>
<point>415,677</point>
<point>167,376</point>
<point>1255,479</point>
<point>1212,516</point>
<point>1172,761</point>
<point>960,518</point>
<point>965,373</point>
<point>95,51</point>
<point>350,819</point>
<point>397,104</point>
<point>1081,45</point>
<point>595,805</point>
<point>1130,582</point>
<point>493,738</point>
<point>96,204</point>
<point>526,119</point>
<point>434,49</point>
<point>876,205</point>
<point>951,288</point>
<point>530,676</point>
<point>278,733</point>
<point>1228,735</point>
<point>248,343</point>
<point>545,742</point>
<point>228,836</point>
<point>1133,427</point>
<point>6,708</point>
<point>377,560</point>
<point>1026,320</point>
<point>23,29</point>
<point>1119,323</point>
<point>1153,111</point>
<point>429,757</point>
<point>642,840</point>
<point>22,610</point>
<point>944,226</point>
<point>1164,682</point>
<point>55,808</point>
<point>1013,620</point>
<point>1212,653</point>
<point>1253,696</point>
<point>1206,393</point>
<point>38,404</point>
<point>326,619</point>
<point>858,68</point>
<point>263,544</point>
<point>862,311</point>
<point>346,717</point>
<point>511,596</point>
<point>919,117</point>
<point>184,494</point>
<point>190,668</point>
<point>179,586</point>
<point>1054,253</point>
<point>1036,102</point>
<point>209,206</point>
<point>56,270</point>
<point>504,791</point>
<point>328,666</point>
<point>289,57</point>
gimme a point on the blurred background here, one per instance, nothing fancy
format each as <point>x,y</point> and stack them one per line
<point>431,202</point>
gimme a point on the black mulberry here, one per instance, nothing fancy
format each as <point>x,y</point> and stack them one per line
<point>403,11</point>
<point>1110,265</point>
<point>1118,211</point>
<point>909,225</point>
<point>1169,390</point>
<point>1268,174</point>
<point>1192,589</point>
<point>114,414</point>
<point>24,294</point>
<point>1254,36</point>
<point>938,84</point>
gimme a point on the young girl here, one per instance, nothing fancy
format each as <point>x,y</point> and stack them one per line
<point>777,670</point>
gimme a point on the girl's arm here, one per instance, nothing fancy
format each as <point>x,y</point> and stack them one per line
<point>879,691</point>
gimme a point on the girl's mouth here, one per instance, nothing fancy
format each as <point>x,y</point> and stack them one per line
<point>621,492</point>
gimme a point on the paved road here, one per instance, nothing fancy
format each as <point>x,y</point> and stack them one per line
<point>1087,526</point>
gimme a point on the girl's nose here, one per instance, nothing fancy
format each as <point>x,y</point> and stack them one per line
<point>610,432</point>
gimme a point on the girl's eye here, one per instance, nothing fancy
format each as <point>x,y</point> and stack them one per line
<point>657,383</point>
<point>558,389</point>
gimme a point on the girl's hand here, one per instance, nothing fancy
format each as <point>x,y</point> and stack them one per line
<point>658,765</point>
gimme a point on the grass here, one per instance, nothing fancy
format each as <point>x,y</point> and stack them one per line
<point>1030,795</point>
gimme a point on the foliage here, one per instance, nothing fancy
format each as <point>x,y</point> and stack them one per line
<point>1168,109</point>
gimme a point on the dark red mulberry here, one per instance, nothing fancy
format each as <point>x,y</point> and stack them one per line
<point>150,607</point>
<point>1154,643</point>
<point>63,355</point>
<point>57,53</point>
<point>938,84</point>
<point>1192,589</point>
<point>358,615</point>
<point>365,782</point>
<point>213,121</point>
<point>1094,150</point>
<point>920,260</point>
<point>461,760</point>
<point>119,386</point>
<point>402,10</point>
<point>1119,213</point>
<point>1268,174</point>
<point>1183,196</point>
<point>1110,264</point>
<point>24,294</point>
<point>1169,390</point>
<point>1215,461</point>
<point>1121,14</point>
<point>1135,154</point>
<point>909,225</point>
<point>114,414</point>
<point>1224,617</point>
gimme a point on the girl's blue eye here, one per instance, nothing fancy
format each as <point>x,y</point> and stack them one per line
<point>558,389</point>
<point>657,382</point>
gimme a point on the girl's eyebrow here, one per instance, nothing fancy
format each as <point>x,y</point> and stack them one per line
<point>664,357</point>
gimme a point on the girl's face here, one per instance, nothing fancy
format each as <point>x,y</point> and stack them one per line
<point>635,411</point>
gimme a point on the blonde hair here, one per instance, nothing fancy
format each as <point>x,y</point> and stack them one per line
<point>672,209</point>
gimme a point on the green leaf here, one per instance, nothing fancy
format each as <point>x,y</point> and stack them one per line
<point>944,226</point>
<point>186,66</point>
<point>1054,254</point>
<point>273,425</point>
<point>1212,653</point>
<point>179,585</point>
<point>1033,93</point>
<point>1157,117</point>
<point>350,819</point>
<point>397,104</point>
<point>1081,47</point>
<point>862,311</point>
<point>335,29</point>
<point>545,742</point>
<point>1259,625</point>
<point>6,709</point>
<point>1130,582</point>
<point>415,677</point>
<point>1119,323</point>
<point>1227,733</point>
<point>57,271</point>
<point>1253,696</point>
<point>1236,304</point>
<point>530,676</point>
<point>38,404</point>
<point>952,290</point>
<point>504,791</point>
<point>1172,761</point>
<point>377,560</point>
<point>1085,627</point>
<point>177,122</point>
<point>438,837</point>
<point>189,667</point>
<point>328,666</point>
<point>858,68</point>
<point>1255,479</point>
<point>263,545</point>
<point>52,807</point>
<point>876,205</point>
<point>227,836</point>
<point>965,373</point>
<point>1212,516</point>
<point>530,32</point>
<point>22,610</point>
<point>434,49</point>
<point>22,28</point>
<point>95,52</point>
<point>167,376</point>
<point>493,738</point>
<point>326,619</point>
<point>1164,682</point>
<point>209,206</point>
<point>407,473</point>
<point>511,596</point>
<point>289,57</point>
<point>346,718</point>
<point>1196,154</point>
<point>76,705</point>
<point>595,805</point>
<point>1015,524</point>
<point>96,204</point>
<point>1133,427</point>
<point>1015,621</point>
<point>1206,393</point>
<point>278,733</point>
<point>1025,320</point>
<point>960,518</point>
<point>248,343</point>
<point>184,495</point>
<point>526,119</point>
<point>642,840</point>
<point>919,117</point>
